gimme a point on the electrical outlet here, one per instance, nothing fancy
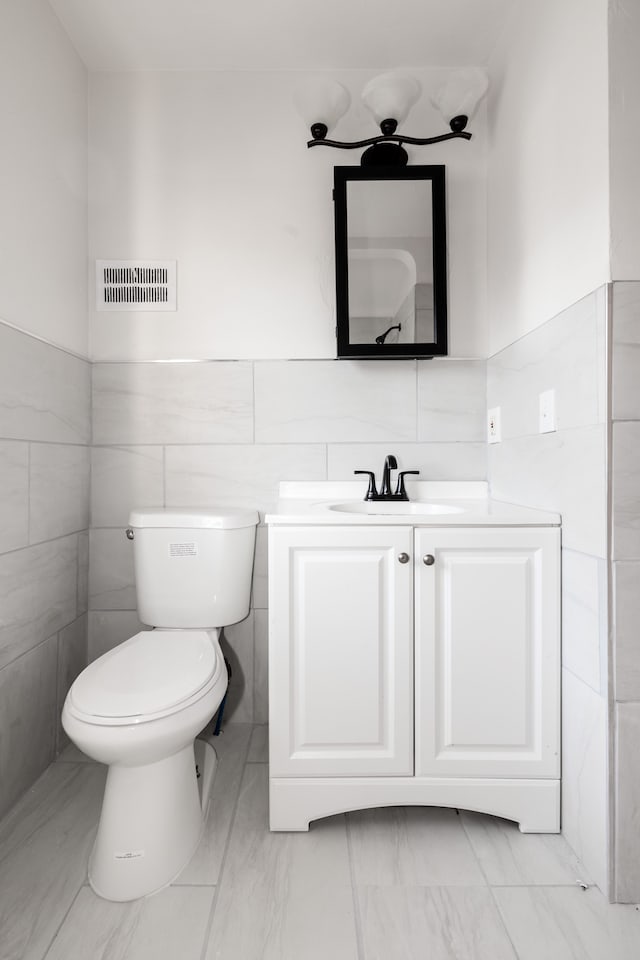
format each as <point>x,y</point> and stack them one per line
<point>548,411</point>
<point>494,431</point>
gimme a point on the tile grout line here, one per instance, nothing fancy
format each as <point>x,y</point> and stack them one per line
<point>38,441</point>
<point>471,846</point>
<point>41,543</point>
<point>357,915</point>
<point>71,904</point>
<point>63,921</point>
<point>489,887</point>
<point>188,886</point>
<point>611,595</point>
<point>127,444</point>
<point>253,668</point>
<point>164,475</point>
<point>29,524</point>
<point>216,894</point>
<point>10,663</point>
<point>253,401</point>
<point>503,922</point>
<point>252,614</point>
<point>12,809</point>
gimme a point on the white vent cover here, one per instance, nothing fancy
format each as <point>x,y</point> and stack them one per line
<point>136,284</point>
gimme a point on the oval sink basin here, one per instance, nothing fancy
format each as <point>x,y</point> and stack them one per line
<point>389,508</point>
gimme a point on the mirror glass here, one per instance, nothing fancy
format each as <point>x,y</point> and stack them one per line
<point>390,261</point>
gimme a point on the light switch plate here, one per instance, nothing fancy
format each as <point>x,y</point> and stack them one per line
<point>548,411</point>
<point>494,429</point>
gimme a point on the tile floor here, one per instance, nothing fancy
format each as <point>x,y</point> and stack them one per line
<point>398,884</point>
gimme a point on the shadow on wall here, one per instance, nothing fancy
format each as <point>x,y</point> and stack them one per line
<point>237,680</point>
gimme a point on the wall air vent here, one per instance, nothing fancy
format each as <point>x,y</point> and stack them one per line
<point>136,285</point>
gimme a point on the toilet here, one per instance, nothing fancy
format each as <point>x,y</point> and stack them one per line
<point>139,707</point>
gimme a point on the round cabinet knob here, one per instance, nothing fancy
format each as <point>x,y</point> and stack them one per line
<point>403,557</point>
<point>428,560</point>
<point>130,533</point>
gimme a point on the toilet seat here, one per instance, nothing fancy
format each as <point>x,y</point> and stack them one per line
<point>153,674</point>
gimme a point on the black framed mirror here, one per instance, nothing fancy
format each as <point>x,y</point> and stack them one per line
<point>391,261</point>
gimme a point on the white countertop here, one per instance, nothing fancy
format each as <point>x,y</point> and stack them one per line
<point>311,503</point>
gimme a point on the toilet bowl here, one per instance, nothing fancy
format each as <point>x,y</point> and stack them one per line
<point>139,707</point>
<point>143,725</point>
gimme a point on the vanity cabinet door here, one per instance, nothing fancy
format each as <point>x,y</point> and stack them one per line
<point>340,651</point>
<point>487,652</point>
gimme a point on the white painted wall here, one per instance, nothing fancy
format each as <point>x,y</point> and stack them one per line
<point>624,134</point>
<point>43,176</point>
<point>211,169</point>
<point>548,227</point>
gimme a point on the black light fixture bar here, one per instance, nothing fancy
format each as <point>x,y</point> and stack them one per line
<point>392,138</point>
<point>389,135</point>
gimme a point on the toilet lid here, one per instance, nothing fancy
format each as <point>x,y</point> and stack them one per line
<point>151,672</point>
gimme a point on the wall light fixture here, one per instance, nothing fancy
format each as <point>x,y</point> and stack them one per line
<point>389,97</point>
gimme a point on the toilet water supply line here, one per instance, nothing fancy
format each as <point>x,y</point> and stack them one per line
<point>218,723</point>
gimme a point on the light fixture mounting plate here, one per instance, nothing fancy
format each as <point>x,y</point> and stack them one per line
<point>384,155</point>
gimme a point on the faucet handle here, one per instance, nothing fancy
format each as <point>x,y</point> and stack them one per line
<point>371,493</point>
<point>401,493</point>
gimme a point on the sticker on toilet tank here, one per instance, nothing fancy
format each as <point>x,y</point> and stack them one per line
<point>128,855</point>
<point>183,549</point>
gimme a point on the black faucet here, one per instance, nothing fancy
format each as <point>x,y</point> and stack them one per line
<point>399,493</point>
<point>390,464</point>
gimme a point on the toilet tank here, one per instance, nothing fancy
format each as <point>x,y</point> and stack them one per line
<point>193,567</point>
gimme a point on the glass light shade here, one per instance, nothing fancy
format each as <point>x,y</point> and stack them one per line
<point>460,93</point>
<point>321,100</point>
<point>390,96</point>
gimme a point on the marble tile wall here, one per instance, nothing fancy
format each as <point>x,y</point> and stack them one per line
<point>625,497</point>
<point>228,432</point>
<point>566,471</point>
<point>45,431</point>
<point>201,434</point>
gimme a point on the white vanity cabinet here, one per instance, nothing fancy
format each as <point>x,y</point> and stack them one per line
<point>487,652</point>
<point>341,651</point>
<point>414,665</point>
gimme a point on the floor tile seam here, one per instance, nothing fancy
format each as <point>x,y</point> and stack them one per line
<point>422,886</point>
<point>502,886</point>
<point>197,886</point>
<point>38,826</point>
<point>357,915</point>
<point>504,924</point>
<point>577,885</point>
<point>488,887</point>
<point>76,763</point>
<point>223,861</point>
<point>470,885</point>
<point>64,918</point>
<point>499,917</point>
<point>467,834</point>
<point>543,885</point>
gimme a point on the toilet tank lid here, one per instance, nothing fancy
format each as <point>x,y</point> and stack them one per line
<point>214,518</point>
